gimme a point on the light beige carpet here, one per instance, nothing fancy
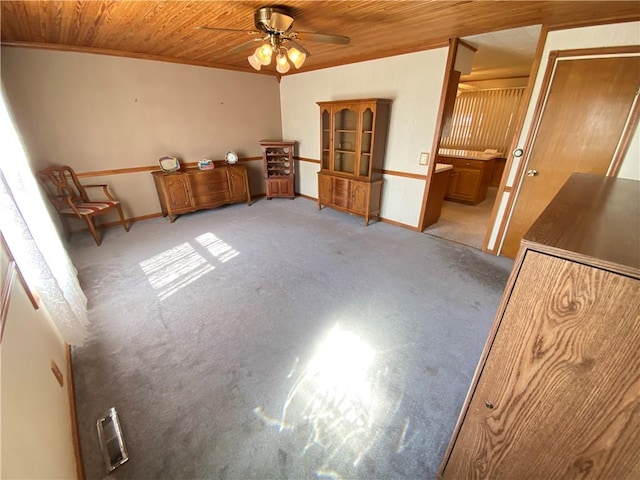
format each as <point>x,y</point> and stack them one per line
<point>465,224</point>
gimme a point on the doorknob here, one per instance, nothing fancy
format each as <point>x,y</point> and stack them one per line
<point>532,173</point>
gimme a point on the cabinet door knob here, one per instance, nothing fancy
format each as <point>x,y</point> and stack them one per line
<point>489,405</point>
<point>532,173</point>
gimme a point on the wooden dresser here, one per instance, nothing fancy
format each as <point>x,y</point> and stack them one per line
<point>557,391</point>
<point>193,189</point>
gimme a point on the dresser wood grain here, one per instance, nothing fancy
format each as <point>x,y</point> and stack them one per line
<point>557,391</point>
<point>193,189</point>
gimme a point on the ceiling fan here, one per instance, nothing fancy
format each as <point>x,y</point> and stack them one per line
<point>274,26</point>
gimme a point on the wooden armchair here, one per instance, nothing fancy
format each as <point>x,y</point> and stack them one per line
<point>70,199</point>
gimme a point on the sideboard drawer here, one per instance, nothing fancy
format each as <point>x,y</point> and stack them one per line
<point>198,188</point>
<point>206,177</point>
<point>212,198</point>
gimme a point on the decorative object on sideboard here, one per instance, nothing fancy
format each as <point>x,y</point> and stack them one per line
<point>206,164</point>
<point>231,157</point>
<point>169,164</point>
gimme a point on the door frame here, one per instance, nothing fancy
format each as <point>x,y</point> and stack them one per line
<point>519,124</point>
<point>451,59</point>
<point>514,190</point>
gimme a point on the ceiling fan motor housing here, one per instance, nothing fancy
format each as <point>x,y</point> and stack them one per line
<point>272,19</point>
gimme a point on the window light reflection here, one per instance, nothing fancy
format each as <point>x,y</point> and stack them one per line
<point>217,247</point>
<point>341,402</point>
<point>174,269</point>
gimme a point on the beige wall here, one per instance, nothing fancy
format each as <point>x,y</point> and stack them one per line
<point>35,416</point>
<point>96,112</point>
<point>412,81</point>
<point>586,37</point>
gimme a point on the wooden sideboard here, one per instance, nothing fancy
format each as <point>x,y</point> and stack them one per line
<point>556,393</point>
<point>192,189</point>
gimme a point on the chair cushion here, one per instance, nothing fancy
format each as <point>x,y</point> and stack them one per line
<point>89,207</point>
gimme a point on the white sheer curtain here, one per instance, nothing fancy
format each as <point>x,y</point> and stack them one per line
<point>33,239</point>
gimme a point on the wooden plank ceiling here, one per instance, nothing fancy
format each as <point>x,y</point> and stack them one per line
<point>166,30</point>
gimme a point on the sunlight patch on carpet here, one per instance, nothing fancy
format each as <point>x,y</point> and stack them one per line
<point>217,247</point>
<point>343,401</point>
<point>174,269</point>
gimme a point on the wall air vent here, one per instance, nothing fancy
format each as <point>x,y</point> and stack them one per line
<point>114,451</point>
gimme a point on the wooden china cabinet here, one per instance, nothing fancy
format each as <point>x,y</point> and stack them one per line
<point>279,173</point>
<point>353,135</point>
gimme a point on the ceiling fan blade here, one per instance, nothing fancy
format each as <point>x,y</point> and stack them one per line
<point>299,47</point>
<point>323,37</point>
<point>280,22</point>
<point>245,45</point>
<point>215,29</point>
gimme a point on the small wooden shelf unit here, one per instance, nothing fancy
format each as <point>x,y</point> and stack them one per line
<point>279,170</point>
<point>353,138</point>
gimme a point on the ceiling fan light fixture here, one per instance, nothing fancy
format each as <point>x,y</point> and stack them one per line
<point>254,62</point>
<point>263,53</point>
<point>282,65</point>
<point>296,56</point>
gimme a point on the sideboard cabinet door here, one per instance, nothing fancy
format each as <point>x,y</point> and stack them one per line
<point>178,196</point>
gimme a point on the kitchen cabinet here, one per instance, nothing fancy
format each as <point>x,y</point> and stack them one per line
<point>279,170</point>
<point>557,390</point>
<point>193,189</point>
<point>472,173</point>
<point>353,137</point>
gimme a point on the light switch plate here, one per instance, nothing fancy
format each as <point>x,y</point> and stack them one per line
<point>424,158</point>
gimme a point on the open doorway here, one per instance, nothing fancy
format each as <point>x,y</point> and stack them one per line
<point>472,151</point>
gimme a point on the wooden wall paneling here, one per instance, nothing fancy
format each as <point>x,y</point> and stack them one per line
<point>167,31</point>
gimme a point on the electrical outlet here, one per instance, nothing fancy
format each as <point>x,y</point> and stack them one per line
<point>424,158</point>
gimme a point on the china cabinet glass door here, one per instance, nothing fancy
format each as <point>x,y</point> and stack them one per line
<point>366,145</point>
<point>345,124</point>
<point>326,138</point>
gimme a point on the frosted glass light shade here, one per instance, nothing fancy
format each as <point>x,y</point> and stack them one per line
<point>263,53</point>
<point>296,57</point>
<point>254,62</point>
<point>282,65</point>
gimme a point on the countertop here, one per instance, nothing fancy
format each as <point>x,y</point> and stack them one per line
<point>442,167</point>
<point>468,154</point>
